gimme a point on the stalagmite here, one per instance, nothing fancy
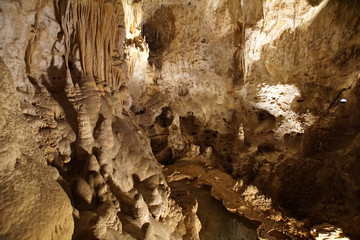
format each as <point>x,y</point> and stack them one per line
<point>141,211</point>
<point>169,119</point>
<point>83,190</point>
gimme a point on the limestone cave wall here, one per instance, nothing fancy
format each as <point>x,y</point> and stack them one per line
<point>113,111</point>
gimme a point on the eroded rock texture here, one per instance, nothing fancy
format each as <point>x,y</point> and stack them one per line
<point>33,205</point>
<point>69,71</point>
<point>103,103</point>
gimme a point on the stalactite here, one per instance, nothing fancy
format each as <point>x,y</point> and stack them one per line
<point>32,43</point>
<point>242,58</point>
<point>117,77</point>
<point>132,19</point>
<point>94,25</point>
<point>63,14</point>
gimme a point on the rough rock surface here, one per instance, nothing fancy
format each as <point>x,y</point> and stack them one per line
<point>257,100</point>
<point>71,94</point>
<point>271,87</point>
<point>32,204</point>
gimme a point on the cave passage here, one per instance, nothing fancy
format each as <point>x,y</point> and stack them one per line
<point>217,222</point>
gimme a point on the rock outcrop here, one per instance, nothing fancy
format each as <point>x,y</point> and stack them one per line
<point>32,204</point>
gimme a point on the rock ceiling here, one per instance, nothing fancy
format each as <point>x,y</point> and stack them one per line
<point>165,119</point>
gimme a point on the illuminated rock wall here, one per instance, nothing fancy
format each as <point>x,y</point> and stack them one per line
<point>69,68</point>
<point>247,93</point>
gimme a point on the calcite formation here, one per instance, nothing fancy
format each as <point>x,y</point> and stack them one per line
<point>110,108</point>
<point>33,205</point>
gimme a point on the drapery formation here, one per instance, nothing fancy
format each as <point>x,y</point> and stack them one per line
<point>94,29</point>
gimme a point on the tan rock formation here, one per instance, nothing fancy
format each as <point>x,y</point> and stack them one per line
<point>256,99</point>
<point>73,67</point>
<point>32,204</point>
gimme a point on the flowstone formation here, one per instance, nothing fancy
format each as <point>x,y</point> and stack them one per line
<point>113,113</point>
<point>69,71</point>
<point>265,91</point>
